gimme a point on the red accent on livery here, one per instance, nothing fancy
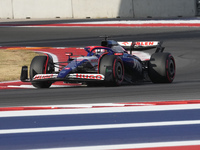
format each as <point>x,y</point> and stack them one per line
<point>92,48</point>
<point>167,67</point>
<point>89,76</point>
<point>94,60</point>
<point>45,70</point>
<point>144,43</point>
<point>44,76</point>
<point>68,54</point>
<point>190,147</point>
<point>118,54</point>
<point>114,69</point>
<point>125,43</point>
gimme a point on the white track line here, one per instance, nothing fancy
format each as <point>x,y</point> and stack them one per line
<point>32,87</point>
<point>96,110</point>
<point>139,22</point>
<point>95,127</point>
<point>132,146</point>
<point>10,81</point>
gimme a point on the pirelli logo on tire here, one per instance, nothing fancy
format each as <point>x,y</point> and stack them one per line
<point>86,76</point>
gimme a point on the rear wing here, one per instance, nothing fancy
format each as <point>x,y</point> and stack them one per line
<point>142,45</point>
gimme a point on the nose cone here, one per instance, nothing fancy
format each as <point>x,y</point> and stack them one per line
<point>64,72</point>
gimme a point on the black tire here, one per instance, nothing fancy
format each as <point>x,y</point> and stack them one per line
<point>39,65</point>
<point>112,68</point>
<point>162,68</point>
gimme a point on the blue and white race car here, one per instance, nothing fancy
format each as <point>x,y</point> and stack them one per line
<point>111,64</point>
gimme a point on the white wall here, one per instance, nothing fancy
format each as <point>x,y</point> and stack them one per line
<point>21,9</point>
<point>42,8</point>
<point>102,8</point>
<point>6,9</point>
<point>164,8</point>
<point>133,8</point>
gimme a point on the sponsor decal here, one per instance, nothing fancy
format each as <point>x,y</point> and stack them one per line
<point>146,43</point>
<point>125,43</point>
<point>94,60</point>
<point>87,76</point>
<point>67,68</point>
<point>68,54</point>
<point>44,76</point>
<point>118,54</point>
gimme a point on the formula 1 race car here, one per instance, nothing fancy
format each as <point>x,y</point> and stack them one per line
<point>110,64</point>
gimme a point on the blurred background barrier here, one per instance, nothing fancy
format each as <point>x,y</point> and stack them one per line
<point>49,9</point>
<point>6,10</point>
<point>198,8</point>
<point>164,8</point>
<point>102,8</point>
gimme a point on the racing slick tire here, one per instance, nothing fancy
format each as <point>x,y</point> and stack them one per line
<point>162,68</point>
<point>112,68</point>
<point>41,65</point>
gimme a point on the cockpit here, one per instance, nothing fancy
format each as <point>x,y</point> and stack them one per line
<point>114,46</point>
<point>109,43</point>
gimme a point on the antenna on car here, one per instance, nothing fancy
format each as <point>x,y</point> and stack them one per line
<point>105,37</point>
<point>105,41</point>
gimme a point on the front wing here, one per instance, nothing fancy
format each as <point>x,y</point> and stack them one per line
<point>80,77</point>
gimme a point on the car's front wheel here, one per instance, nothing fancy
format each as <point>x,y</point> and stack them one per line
<point>41,65</point>
<point>112,68</point>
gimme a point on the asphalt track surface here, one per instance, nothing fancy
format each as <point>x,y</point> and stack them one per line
<point>183,43</point>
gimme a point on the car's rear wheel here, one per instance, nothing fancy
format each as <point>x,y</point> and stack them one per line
<point>41,65</point>
<point>112,68</point>
<point>162,68</point>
